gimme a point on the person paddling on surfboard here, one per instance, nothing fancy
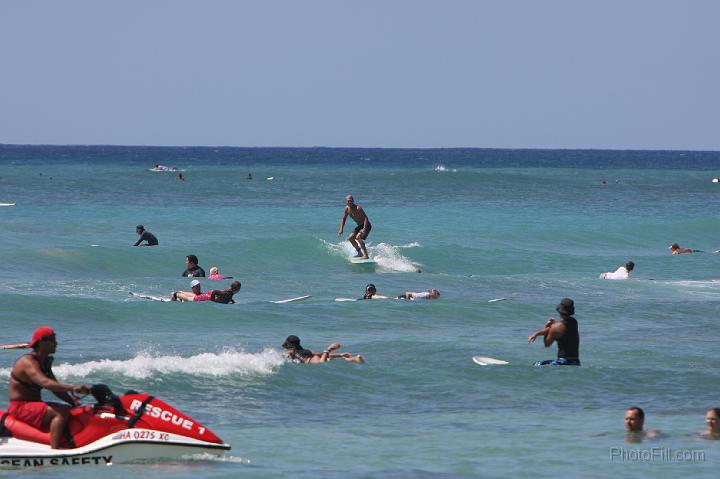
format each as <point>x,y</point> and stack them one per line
<point>360,233</point>
<point>30,375</point>
<point>195,295</point>
<point>296,353</point>
<point>413,295</point>
<point>371,293</point>
<point>565,333</point>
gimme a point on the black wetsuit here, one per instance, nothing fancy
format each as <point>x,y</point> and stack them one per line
<point>195,272</point>
<point>569,343</point>
<point>224,297</point>
<point>301,355</point>
<point>149,237</point>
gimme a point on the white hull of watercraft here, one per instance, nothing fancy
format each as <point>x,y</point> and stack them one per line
<point>123,446</point>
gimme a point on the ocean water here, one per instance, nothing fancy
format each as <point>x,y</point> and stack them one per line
<point>528,226</point>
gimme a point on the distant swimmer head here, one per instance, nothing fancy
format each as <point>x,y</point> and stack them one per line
<point>370,288</point>
<point>629,266</point>
<point>292,342</point>
<point>349,199</point>
<point>139,228</point>
<point>674,246</point>
<point>194,283</point>
<point>566,307</point>
<point>235,286</point>
<point>214,270</point>
<point>435,292</point>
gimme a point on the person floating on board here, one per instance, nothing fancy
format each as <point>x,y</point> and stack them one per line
<point>181,177</point>
<point>712,419</point>
<point>412,295</point>
<point>371,293</point>
<point>145,236</point>
<point>225,296</point>
<point>360,233</point>
<point>565,333</point>
<point>296,353</point>
<point>33,372</point>
<point>623,272</point>
<point>195,295</point>
<point>634,421</point>
<point>676,249</point>
<point>192,269</point>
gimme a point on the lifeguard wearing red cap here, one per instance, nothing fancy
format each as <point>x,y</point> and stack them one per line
<point>40,334</point>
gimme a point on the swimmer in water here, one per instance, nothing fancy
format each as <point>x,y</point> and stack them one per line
<point>712,419</point>
<point>360,233</point>
<point>195,295</point>
<point>634,421</point>
<point>564,332</point>
<point>623,272</point>
<point>371,293</point>
<point>412,295</point>
<point>676,249</point>
<point>192,270</point>
<point>296,353</point>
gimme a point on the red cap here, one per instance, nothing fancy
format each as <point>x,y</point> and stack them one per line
<point>40,334</point>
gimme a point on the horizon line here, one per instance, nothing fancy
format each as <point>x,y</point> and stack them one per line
<point>91,145</point>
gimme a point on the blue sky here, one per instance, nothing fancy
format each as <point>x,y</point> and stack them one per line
<point>497,74</point>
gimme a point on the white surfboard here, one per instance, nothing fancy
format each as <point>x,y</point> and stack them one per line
<point>7,204</point>
<point>150,297</point>
<point>486,361</point>
<point>356,260</point>
<point>292,300</point>
<point>496,300</point>
<point>345,299</point>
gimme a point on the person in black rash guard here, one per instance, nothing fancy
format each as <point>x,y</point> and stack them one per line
<point>297,354</point>
<point>564,332</point>
<point>225,296</point>
<point>193,270</point>
<point>145,236</point>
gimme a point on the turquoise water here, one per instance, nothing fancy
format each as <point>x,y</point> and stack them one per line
<point>529,226</point>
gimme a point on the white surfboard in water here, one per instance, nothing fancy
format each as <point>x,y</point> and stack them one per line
<point>292,300</point>
<point>486,361</point>
<point>150,297</point>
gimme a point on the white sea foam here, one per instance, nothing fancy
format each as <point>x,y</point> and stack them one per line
<point>387,256</point>
<point>145,364</point>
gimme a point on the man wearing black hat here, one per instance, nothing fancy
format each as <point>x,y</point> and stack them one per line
<point>296,353</point>
<point>565,333</point>
<point>145,236</point>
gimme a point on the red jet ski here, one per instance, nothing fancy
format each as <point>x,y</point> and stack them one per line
<point>114,430</point>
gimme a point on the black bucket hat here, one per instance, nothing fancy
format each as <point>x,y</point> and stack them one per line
<point>566,307</point>
<point>292,341</point>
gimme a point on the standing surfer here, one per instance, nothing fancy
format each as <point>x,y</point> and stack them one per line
<point>360,233</point>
